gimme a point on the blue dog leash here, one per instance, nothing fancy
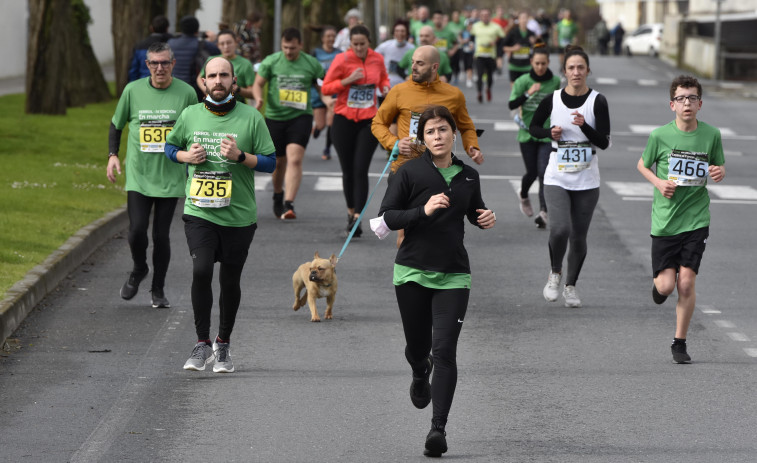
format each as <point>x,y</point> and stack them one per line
<point>392,157</point>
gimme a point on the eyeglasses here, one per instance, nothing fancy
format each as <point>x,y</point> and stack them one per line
<point>691,98</point>
<point>155,64</point>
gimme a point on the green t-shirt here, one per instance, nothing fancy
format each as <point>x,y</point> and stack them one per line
<point>242,70</point>
<point>428,279</point>
<point>406,63</point>
<point>521,86</point>
<point>566,32</point>
<point>226,188</point>
<point>150,113</point>
<point>445,39</point>
<point>289,85</point>
<point>689,208</point>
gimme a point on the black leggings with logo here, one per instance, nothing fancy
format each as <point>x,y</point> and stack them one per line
<point>432,320</point>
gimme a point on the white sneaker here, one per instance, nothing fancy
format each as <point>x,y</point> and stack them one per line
<point>525,206</point>
<point>570,296</point>
<point>469,83</point>
<point>552,289</point>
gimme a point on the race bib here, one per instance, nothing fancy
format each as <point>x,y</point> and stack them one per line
<point>210,188</point>
<point>152,135</point>
<point>361,96</point>
<point>687,168</point>
<point>293,98</point>
<point>413,132</point>
<point>482,50</point>
<point>441,44</point>
<point>522,53</point>
<point>573,156</point>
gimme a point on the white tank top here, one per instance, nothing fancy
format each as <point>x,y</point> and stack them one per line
<point>588,177</point>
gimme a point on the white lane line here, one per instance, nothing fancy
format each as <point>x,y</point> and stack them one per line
<point>607,81</point>
<point>647,82</point>
<point>708,309</point>
<point>725,324</point>
<point>261,182</point>
<point>740,337</point>
<point>506,126</point>
<point>328,184</point>
<point>751,351</point>
<point>733,191</point>
<point>644,189</point>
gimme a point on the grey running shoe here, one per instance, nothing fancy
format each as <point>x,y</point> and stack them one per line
<point>656,296</point>
<point>570,296</point>
<point>223,358</point>
<point>525,206</point>
<point>679,353</point>
<point>202,354</point>
<point>420,388</point>
<point>131,286</point>
<point>436,442</point>
<point>552,288</point>
<point>159,300</point>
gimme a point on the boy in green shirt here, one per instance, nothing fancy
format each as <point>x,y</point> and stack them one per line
<point>685,152</point>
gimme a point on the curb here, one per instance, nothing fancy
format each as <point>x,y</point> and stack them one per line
<point>23,296</point>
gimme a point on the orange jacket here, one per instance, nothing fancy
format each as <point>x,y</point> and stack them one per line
<point>374,73</point>
<point>410,96</point>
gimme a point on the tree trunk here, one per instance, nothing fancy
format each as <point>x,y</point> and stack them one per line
<point>234,11</point>
<point>62,69</point>
<point>130,22</point>
<point>184,8</point>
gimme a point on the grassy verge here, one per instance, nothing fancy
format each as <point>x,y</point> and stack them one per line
<point>53,181</point>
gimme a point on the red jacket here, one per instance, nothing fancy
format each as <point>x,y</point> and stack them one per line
<point>341,68</point>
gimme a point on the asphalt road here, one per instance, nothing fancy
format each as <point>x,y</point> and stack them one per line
<point>91,377</point>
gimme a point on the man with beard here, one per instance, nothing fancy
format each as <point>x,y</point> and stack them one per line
<point>407,101</point>
<point>150,106</point>
<point>222,142</point>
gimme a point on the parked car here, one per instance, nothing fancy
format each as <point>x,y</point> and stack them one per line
<point>644,41</point>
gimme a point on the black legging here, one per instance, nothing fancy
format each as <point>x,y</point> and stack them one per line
<point>354,143</point>
<point>485,66</point>
<point>432,320</point>
<point>535,157</point>
<point>570,213</point>
<point>138,207</point>
<point>203,260</point>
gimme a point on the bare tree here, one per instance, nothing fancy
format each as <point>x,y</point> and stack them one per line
<point>236,10</point>
<point>61,69</point>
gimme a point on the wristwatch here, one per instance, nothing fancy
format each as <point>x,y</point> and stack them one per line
<point>112,154</point>
<point>241,157</point>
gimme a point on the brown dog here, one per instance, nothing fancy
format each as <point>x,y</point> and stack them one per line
<point>319,280</point>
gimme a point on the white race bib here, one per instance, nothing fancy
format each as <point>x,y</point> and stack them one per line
<point>573,156</point>
<point>361,96</point>
<point>687,168</point>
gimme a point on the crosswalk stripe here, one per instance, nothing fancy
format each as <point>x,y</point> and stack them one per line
<point>607,81</point>
<point>725,194</point>
<point>328,184</point>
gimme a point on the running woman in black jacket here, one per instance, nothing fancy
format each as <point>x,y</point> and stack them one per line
<point>429,197</point>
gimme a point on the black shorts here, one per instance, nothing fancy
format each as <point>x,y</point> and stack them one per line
<point>467,61</point>
<point>295,130</point>
<point>515,74</point>
<point>231,244</point>
<point>682,250</point>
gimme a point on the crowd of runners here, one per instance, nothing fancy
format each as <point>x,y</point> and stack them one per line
<point>258,113</point>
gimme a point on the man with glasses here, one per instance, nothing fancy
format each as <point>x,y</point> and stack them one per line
<point>686,151</point>
<point>150,106</point>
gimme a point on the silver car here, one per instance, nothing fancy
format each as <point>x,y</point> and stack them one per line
<point>644,41</point>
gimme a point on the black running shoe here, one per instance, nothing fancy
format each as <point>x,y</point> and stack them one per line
<point>656,296</point>
<point>159,300</point>
<point>679,353</point>
<point>351,219</point>
<point>420,388</point>
<point>278,204</point>
<point>131,286</point>
<point>436,442</point>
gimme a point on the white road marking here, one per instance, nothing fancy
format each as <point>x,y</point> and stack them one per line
<point>607,81</point>
<point>261,182</point>
<point>725,324</point>
<point>733,191</point>
<point>328,184</point>
<point>506,126</point>
<point>644,189</point>
<point>740,337</point>
<point>751,351</point>
<point>647,82</point>
<point>708,309</point>
<point>720,194</point>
